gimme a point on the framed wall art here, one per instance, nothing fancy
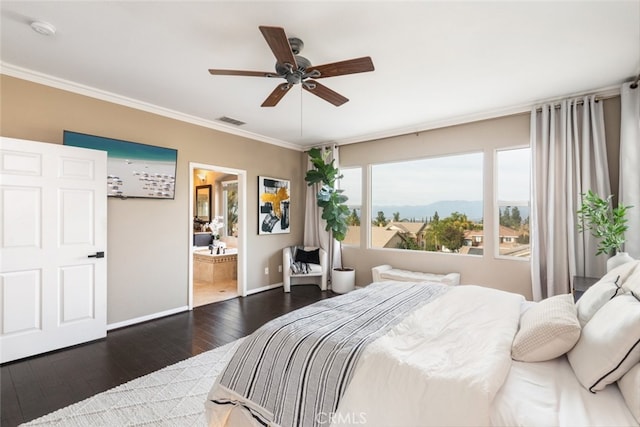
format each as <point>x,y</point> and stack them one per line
<point>133,169</point>
<point>274,204</point>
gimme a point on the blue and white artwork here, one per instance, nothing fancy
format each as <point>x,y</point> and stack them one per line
<point>133,169</point>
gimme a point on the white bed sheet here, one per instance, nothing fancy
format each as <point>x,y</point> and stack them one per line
<point>549,394</point>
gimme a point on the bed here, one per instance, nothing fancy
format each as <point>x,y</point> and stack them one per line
<point>420,354</point>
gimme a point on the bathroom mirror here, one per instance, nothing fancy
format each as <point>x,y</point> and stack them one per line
<point>203,202</point>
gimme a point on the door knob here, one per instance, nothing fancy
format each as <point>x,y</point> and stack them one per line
<point>97,255</point>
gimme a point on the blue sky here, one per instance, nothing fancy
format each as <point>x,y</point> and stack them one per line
<point>424,181</point>
<point>513,170</point>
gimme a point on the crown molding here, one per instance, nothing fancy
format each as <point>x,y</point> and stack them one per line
<point>80,89</point>
<point>47,80</point>
<point>602,93</point>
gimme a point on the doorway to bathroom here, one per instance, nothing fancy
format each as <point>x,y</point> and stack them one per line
<point>217,244</point>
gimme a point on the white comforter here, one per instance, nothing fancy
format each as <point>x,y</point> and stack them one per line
<point>441,366</point>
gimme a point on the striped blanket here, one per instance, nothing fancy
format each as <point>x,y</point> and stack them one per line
<point>299,365</point>
<point>298,267</point>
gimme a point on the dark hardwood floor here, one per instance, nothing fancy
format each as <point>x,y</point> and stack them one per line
<point>38,385</point>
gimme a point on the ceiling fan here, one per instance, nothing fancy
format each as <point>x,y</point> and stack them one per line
<point>296,69</point>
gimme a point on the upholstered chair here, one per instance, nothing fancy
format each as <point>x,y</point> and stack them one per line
<point>316,274</point>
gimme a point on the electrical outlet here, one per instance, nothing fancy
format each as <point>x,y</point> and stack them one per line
<point>266,270</point>
<point>279,269</point>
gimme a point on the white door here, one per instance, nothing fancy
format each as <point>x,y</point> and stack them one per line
<point>53,218</point>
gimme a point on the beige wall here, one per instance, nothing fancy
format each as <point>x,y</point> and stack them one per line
<point>148,240</point>
<point>486,136</point>
<point>148,245</point>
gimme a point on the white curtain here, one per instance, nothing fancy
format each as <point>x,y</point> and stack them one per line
<point>314,226</point>
<point>629,190</point>
<point>569,158</point>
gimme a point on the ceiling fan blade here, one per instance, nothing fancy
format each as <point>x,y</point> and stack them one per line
<point>350,66</point>
<point>217,72</point>
<point>278,93</point>
<point>324,92</point>
<point>279,44</point>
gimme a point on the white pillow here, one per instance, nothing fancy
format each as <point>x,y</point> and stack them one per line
<point>609,286</point>
<point>632,284</point>
<point>629,385</point>
<point>595,297</point>
<point>609,345</point>
<point>624,271</point>
<point>547,330</point>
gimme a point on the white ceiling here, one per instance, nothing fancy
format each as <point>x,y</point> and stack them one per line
<point>437,62</point>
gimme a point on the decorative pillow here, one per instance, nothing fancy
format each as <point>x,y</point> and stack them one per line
<point>609,286</point>
<point>310,257</point>
<point>632,284</point>
<point>629,385</point>
<point>595,297</point>
<point>609,345</point>
<point>624,271</point>
<point>547,330</point>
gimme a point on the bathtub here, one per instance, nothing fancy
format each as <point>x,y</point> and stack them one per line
<point>211,268</point>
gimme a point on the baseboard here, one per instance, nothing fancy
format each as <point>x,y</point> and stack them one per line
<point>146,318</point>
<point>264,288</point>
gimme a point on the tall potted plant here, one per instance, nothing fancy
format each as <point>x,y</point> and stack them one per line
<point>334,211</point>
<point>606,223</point>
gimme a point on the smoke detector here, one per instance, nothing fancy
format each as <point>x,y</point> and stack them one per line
<point>43,28</point>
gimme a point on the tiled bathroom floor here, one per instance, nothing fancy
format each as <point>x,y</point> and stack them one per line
<point>205,293</point>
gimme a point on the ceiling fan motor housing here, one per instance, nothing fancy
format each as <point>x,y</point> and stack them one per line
<point>294,76</point>
<point>296,45</point>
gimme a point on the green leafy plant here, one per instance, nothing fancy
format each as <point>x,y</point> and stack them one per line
<point>603,221</point>
<point>332,200</point>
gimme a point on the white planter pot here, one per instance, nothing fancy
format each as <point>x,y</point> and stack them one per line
<point>343,281</point>
<point>618,259</point>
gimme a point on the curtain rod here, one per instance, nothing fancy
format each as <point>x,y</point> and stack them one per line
<point>558,104</point>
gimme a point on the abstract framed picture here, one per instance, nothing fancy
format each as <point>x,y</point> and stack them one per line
<point>274,204</point>
<point>133,169</point>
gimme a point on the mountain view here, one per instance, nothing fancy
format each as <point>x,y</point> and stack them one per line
<point>473,210</point>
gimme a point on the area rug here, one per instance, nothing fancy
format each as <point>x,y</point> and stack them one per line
<point>172,396</point>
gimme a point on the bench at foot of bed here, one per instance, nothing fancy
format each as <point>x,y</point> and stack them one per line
<point>385,272</point>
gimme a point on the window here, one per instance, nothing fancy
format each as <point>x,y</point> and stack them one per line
<point>513,194</point>
<point>351,183</point>
<point>230,207</point>
<point>432,204</point>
